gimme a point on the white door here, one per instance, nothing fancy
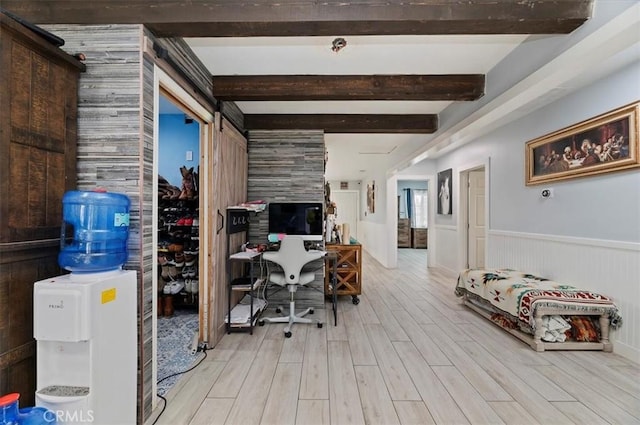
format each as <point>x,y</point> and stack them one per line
<point>476,219</point>
<point>347,209</point>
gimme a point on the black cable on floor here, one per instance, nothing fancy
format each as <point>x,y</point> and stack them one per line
<point>164,406</point>
<point>176,374</point>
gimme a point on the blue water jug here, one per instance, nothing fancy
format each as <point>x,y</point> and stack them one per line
<point>9,409</point>
<point>95,229</point>
<point>10,415</point>
<point>36,416</point>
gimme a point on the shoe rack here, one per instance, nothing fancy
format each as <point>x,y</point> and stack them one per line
<point>178,250</point>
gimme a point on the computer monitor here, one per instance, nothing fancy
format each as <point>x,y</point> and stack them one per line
<point>297,218</point>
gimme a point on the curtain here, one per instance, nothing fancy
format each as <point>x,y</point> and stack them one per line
<point>419,208</point>
<point>407,197</point>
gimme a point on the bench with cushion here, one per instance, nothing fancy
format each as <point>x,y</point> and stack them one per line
<point>545,314</point>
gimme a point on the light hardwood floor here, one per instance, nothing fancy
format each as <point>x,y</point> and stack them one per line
<point>409,353</point>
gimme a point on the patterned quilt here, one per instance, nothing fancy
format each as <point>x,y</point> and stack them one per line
<point>519,295</point>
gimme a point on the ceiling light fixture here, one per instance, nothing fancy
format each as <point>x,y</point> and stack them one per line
<point>338,44</point>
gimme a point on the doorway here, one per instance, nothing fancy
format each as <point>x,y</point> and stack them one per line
<point>413,214</point>
<point>347,207</point>
<point>178,246</point>
<point>395,224</point>
<point>182,129</point>
<point>473,217</point>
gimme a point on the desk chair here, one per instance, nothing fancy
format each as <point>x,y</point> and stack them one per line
<point>292,256</point>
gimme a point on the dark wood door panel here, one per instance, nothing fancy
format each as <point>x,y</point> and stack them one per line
<point>18,373</point>
<point>38,126</point>
<point>38,141</point>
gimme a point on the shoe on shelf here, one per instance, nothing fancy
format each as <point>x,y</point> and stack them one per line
<point>166,272</point>
<point>167,288</point>
<point>195,286</point>
<point>176,287</point>
<point>175,247</point>
<point>185,272</point>
<point>179,259</point>
<point>171,270</point>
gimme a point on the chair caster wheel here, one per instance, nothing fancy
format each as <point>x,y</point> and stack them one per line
<point>260,322</point>
<point>320,325</point>
<point>355,300</point>
<point>287,334</point>
<point>311,311</point>
<point>278,310</point>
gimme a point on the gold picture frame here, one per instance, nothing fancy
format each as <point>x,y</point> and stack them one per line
<point>606,143</point>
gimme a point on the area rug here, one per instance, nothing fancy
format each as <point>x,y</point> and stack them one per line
<point>175,335</point>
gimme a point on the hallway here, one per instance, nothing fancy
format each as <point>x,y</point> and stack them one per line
<point>409,353</point>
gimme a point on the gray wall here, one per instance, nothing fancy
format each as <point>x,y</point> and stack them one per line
<point>286,166</point>
<point>115,145</point>
<point>600,207</point>
<point>109,138</point>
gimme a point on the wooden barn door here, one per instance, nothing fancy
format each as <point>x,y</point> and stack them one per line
<point>229,187</point>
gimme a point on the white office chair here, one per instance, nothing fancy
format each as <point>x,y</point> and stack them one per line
<point>292,256</point>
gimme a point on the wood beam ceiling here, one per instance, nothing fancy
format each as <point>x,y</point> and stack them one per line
<point>348,87</point>
<point>206,18</point>
<point>344,123</point>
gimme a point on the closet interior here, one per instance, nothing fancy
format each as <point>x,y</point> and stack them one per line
<point>178,241</point>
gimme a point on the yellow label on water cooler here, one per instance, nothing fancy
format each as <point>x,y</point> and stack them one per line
<point>108,295</point>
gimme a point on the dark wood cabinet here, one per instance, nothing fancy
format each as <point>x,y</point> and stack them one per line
<point>404,233</point>
<point>419,238</point>
<point>38,123</point>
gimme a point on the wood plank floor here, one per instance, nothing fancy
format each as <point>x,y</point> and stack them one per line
<point>409,353</point>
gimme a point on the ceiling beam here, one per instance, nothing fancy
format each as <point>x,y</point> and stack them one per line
<point>207,18</point>
<point>348,87</point>
<point>344,123</point>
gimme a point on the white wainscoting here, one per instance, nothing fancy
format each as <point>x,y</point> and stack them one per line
<point>447,252</point>
<point>373,237</point>
<point>608,267</point>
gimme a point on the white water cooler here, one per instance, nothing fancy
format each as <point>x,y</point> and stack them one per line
<point>85,325</point>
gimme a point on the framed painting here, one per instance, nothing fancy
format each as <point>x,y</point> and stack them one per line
<point>602,144</point>
<point>371,197</point>
<point>445,189</point>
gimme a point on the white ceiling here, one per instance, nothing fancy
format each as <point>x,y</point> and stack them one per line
<point>353,156</point>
